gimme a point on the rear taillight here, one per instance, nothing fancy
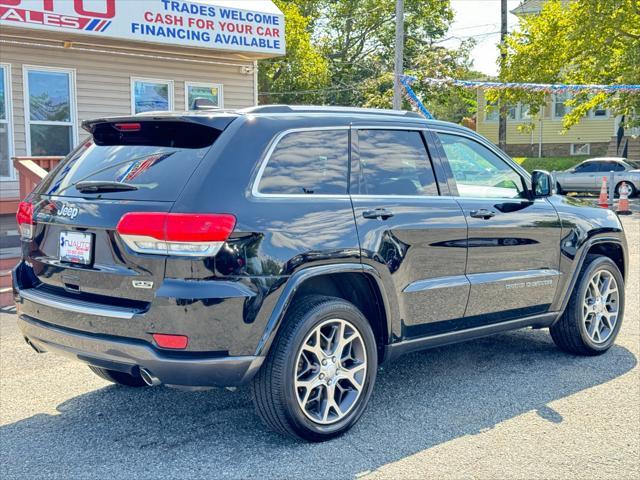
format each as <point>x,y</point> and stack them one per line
<point>178,342</point>
<point>192,234</point>
<point>24,217</point>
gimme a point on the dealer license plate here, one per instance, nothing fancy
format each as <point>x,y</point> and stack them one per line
<point>76,247</point>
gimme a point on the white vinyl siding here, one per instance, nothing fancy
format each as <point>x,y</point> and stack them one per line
<point>103,81</point>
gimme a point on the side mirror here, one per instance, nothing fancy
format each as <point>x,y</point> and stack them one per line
<point>541,183</point>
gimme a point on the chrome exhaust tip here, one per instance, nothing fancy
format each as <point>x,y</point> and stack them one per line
<point>148,378</point>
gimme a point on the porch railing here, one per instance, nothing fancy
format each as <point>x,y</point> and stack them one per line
<point>32,170</point>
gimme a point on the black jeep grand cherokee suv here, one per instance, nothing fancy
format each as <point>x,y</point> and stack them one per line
<point>297,248</point>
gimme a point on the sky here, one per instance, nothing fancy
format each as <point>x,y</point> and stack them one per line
<point>480,19</point>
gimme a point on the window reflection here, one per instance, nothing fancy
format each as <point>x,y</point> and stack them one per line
<point>478,171</point>
<point>313,162</point>
<point>394,162</point>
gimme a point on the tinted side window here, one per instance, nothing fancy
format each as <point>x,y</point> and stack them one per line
<point>307,163</point>
<point>394,162</point>
<point>478,171</point>
<point>611,167</point>
<point>588,167</point>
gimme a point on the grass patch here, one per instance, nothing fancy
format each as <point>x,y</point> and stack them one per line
<point>549,163</point>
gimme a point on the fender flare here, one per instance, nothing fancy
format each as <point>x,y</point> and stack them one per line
<point>582,256</point>
<point>297,279</point>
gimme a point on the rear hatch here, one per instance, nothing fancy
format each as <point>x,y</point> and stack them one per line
<point>134,164</point>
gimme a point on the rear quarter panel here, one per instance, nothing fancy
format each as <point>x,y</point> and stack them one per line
<point>274,236</point>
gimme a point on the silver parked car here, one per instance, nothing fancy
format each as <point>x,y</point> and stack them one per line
<point>587,175</point>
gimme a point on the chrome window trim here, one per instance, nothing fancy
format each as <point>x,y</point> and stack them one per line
<point>267,156</point>
<point>418,128</point>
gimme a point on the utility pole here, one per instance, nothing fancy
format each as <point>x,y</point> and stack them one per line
<point>502,122</point>
<point>399,58</point>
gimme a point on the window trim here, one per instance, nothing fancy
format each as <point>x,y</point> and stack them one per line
<point>6,69</point>
<point>523,174</point>
<point>73,109</point>
<point>593,116</point>
<point>437,157</point>
<point>518,117</point>
<point>573,150</point>
<point>170,92</point>
<point>219,86</point>
<point>554,100</point>
<point>255,192</point>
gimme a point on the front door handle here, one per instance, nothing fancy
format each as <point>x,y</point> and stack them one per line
<point>482,213</point>
<point>381,213</point>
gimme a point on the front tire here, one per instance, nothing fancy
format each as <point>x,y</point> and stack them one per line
<point>320,371</point>
<point>592,319</point>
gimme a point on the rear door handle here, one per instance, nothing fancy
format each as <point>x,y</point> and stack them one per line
<point>482,213</point>
<point>381,213</point>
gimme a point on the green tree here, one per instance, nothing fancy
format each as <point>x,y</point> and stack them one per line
<point>583,42</point>
<point>356,40</point>
<point>303,68</point>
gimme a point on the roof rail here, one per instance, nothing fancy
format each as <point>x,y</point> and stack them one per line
<point>327,109</point>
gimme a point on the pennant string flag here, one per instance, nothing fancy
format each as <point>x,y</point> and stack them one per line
<point>535,87</point>
<point>412,98</point>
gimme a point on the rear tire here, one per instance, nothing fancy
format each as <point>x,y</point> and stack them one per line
<point>589,325</point>
<point>320,371</point>
<point>120,378</point>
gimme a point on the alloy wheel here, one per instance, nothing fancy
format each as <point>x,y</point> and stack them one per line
<point>331,368</point>
<point>600,306</point>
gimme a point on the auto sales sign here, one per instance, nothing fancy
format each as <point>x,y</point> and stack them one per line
<point>218,24</point>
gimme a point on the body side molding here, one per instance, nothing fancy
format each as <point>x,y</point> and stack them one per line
<point>395,350</point>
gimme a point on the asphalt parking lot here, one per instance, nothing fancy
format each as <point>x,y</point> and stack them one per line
<point>509,406</point>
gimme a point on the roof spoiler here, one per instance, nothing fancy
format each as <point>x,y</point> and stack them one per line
<point>219,121</point>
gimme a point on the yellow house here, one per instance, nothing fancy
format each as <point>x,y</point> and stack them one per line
<point>543,135</point>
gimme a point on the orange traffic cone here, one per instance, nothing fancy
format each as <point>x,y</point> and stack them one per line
<point>603,201</point>
<point>623,204</point>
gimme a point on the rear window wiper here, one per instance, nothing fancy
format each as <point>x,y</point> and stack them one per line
<point>95,186</point>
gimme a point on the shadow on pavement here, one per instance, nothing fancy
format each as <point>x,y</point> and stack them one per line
<point>420,401</point>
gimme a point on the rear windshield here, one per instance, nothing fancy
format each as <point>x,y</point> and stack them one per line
<point>158,159</point>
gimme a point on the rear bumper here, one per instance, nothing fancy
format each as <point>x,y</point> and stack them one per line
<point>129,356</point>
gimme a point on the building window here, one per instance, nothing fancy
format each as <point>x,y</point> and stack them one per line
<point>212,92</point>
<point>50,110</point>
<point>599,113</point>
<point>559,104</point>
<point>148,95</point>
<point>6,137</point>
<point>580,149</point>
<point>519,111</point>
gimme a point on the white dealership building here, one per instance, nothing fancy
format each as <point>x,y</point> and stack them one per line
<point>63,61</point>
